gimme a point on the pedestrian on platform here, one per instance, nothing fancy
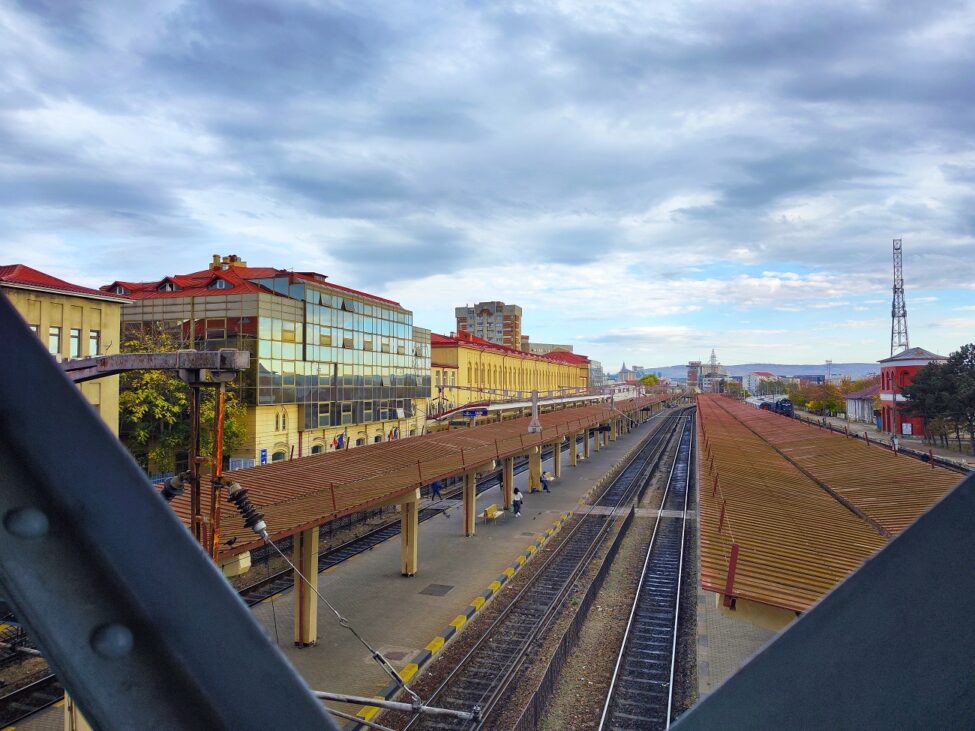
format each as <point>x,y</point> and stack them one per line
<point>545,478</point>
<point>516,500</point>
<point>435,488</point>
<point>894,444</point>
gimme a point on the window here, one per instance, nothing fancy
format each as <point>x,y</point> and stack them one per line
<point>360,441</point>
<point>366,344</point>
<point>376,439</point>
<point>220,284</point>
<point>277,422</point>
<point>168,287</point>
<point>316,449</point>
<point>119,289</point>
<point>347,341</point>
<point>34,328</point>
<point>284,421</point>
<point>74,343</point>
<point>278,457</point>
<point>54,340</point>
<point>94,342</point>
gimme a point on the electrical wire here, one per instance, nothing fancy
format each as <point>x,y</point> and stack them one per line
<point>274,613</point>
<point>376,655</point>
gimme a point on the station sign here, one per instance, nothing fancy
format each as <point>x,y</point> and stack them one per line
<point>472,413</point>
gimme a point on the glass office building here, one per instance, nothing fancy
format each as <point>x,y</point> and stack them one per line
<point>335,366</point>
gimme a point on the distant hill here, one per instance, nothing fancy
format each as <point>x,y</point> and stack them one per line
<point>853,370</point>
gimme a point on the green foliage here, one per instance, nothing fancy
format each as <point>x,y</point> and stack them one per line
<point>650,380</point>
<point>944,393</point>
<point>154,410</point>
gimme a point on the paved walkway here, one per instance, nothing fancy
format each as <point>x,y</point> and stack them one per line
<point>399,616</point>
<point>724,643</point>
<point>859,428</point>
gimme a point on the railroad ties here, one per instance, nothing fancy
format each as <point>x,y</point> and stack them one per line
<point>30,699</point>
<point>641,690</point>
<point>485,674</point>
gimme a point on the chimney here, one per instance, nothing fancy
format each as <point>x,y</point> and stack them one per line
<point>216,262</point>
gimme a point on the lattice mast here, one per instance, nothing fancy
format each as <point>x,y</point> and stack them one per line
<point>898,309</point>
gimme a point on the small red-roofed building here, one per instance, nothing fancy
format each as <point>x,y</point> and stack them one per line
<point>896,372</point>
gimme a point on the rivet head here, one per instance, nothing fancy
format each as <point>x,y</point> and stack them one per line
<point>26,522</point>
<point>112,641</point>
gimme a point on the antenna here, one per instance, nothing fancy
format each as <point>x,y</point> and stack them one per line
<point>898,309</point>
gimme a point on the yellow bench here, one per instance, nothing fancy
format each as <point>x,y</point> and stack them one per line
<point>491,512</point>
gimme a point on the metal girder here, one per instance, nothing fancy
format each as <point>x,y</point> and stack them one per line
<point>225,360</point>
<point>889,647</point>
<point>132,615</point>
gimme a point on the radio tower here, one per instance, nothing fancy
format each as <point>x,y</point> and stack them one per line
<point>898,309</point>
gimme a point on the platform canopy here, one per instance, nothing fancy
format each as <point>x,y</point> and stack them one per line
<point>310,491</point>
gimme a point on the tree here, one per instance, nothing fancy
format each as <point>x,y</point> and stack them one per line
<point>650,380</point>
<point>154,409</point>
<point>946,392</point>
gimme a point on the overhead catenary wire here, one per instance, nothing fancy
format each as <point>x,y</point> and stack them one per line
<point>254,520</point>
<point>376,655</point>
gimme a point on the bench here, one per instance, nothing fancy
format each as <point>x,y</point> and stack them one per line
<point>491,512</point>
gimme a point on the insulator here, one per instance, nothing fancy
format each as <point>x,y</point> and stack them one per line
<point>253,518</point>
<point>173,487</point>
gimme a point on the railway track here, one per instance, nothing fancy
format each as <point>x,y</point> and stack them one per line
<point>483,676</point>
<point>284,580</point>
<point>641,691</point>
<point>30,699</point>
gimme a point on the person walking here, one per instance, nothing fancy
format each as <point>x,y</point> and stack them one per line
<point>435,488</point>
<point>516,500</point>
<point>545,478</point>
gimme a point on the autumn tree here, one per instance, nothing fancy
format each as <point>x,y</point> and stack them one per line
<point>154,409</point>
<point>946,392</point>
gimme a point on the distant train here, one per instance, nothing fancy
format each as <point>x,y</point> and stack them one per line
<point>780,406</point>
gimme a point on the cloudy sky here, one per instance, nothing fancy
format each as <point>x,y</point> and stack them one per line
<point>647,180</point>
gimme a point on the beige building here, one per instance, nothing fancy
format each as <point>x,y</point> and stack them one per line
<point>74,322</point>
<point>495,322</point>
<point>543,348</point>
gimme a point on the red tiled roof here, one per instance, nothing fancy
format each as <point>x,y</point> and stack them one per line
<point>567,357</point>
<point>19,275</point>
<point>466,340</point>
<point>196,284</point>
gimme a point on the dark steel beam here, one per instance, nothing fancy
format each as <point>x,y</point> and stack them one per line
<point>132,615</point>
<point>225,360</point>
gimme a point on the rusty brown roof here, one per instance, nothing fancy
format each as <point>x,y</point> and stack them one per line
<point>801,525</point>
<point>314,490</point>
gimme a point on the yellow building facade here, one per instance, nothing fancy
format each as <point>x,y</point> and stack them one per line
<point>467,369</point>
<point>73,322</point>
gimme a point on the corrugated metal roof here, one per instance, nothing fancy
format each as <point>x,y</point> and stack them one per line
<point>805,524</point>
<point>314,490</point>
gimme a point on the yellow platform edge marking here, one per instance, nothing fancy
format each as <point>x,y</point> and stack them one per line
<point>459,621</point>
<point>494,586</point>
<point>434,645</point>
<point>408,671</point>
<point>478,602</point>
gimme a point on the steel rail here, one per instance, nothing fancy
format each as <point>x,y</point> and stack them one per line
<point>23,702</point>
<point>643,460</point>
<point>280,582</point>
<point>625,643</point>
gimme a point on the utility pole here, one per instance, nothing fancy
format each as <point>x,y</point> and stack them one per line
<point>898,309</point>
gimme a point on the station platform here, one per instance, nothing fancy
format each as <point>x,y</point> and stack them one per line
<point>400,616</point>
